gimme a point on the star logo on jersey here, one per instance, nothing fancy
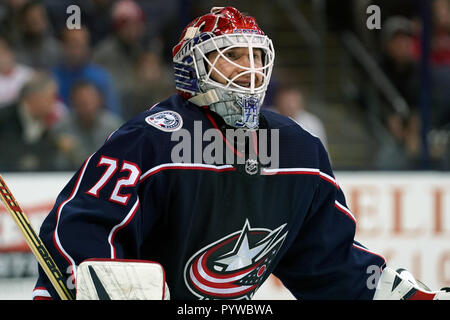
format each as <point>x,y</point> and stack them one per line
<point>234,266</point>
<point>165,120</point>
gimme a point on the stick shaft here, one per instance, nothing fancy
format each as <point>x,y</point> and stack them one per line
<point>35,243</point>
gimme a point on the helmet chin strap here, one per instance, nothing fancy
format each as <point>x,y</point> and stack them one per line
<point>205,99</point>
<point>237,110</point>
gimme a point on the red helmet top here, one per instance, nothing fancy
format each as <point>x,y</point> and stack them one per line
<point>221,30</point>
<point>221,21</point>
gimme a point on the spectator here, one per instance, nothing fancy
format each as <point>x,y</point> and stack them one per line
<point>402,148</point>
<point>12,75</point>
<point>398,61</point>
<point>36,45</point>
<point>25,138</point>
<point>119,51</point>
<point>76,65</point>
<point>152,82</point>
<point>83,131</point>
<point>289,101</point>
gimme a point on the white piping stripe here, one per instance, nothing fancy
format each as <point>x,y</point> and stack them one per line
<point>367,250</point>
<point>111,135</point>
<point>58,242</point>
<point>311,170</point>
<point>40,293</point>
<point>345,209</point>
<point>153,106</point>
<point>329,177</point>
<point>306,170</point>
<point>216,290</point>
<point>125,220</point>
<point>264,170</point>
<point>185,165</point>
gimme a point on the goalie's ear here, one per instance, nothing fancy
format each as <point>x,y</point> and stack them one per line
<point>112,279</point>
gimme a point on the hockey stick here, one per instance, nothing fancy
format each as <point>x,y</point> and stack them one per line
<point>35,243</point>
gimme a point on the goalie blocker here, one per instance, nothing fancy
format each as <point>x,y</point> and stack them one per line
<point>107,279</point>
<point>401,285</point>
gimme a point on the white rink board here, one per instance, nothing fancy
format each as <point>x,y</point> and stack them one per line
<point>406,218</point>
<point>403,216</point>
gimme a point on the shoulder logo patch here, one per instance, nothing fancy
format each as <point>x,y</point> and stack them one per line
<point>165,120</point>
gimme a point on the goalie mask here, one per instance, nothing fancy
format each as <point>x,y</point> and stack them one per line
<point>223,60</point>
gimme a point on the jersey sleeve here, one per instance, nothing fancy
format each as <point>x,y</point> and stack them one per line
<point>98,213</point>
<point>324,261</point>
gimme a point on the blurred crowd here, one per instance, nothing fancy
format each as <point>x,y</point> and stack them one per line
<point>63,91</point>
<point>401,60</point>
<point>420,137</point>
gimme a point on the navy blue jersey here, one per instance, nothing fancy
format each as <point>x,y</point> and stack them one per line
<point>217,230</point>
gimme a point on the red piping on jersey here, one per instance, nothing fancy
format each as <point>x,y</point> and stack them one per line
<point>306,172</point>
<point>311,171</point>
<point>119,227</point>
<point>181,167</point>
<point>368,251</point>
<point>37,297</point>
<point>326,178</point>
<point>58,215</point>
<point>341,209</point>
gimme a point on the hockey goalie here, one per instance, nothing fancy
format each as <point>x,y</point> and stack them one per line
<point>218,223</point>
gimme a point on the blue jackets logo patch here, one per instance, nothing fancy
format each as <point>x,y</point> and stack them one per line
<point>234,266</point>
<point>165,120</point>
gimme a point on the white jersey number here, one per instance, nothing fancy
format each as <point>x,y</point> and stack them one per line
<point>111,168</point>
